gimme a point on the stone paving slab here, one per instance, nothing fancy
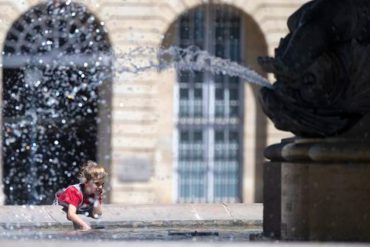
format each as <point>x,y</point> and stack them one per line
<point>238,211</point>
<point>24,216</point>
<point>144,215</point>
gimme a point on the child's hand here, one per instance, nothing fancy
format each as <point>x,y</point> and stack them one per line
<point>85,228</point>
<point>99,192</point>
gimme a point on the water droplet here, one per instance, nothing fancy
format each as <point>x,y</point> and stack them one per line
<point>37,83</point>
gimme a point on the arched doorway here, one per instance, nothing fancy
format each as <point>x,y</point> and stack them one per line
<point>56,84</point>
<point>218,147</point>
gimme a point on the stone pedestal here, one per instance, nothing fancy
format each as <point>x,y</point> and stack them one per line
<point>318,189</point>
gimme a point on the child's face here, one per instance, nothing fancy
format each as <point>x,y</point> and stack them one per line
<point>94,186</point>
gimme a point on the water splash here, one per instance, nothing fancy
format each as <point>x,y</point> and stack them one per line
<point>190,58</point>
<point>56,90</point>
<point>126,64</point>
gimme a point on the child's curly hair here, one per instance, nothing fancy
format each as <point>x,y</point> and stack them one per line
<point>90,170</point>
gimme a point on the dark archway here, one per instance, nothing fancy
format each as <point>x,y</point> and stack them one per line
<point>57,62</point>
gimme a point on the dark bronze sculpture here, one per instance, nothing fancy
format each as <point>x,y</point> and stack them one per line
<point>322,69</point>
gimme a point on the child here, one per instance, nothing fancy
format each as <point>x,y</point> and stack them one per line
<point>85,197</point>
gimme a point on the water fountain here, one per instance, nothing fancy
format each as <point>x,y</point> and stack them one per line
<point>299,195</point>
<point>57,77</point>
<point>55,81</point>
<point>317,184</point>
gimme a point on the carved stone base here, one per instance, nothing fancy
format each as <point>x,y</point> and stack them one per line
<point>318,189</point>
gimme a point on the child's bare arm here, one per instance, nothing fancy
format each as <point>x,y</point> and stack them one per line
<point>72,216</point>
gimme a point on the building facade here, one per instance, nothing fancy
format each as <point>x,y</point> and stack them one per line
<point>165,135</point>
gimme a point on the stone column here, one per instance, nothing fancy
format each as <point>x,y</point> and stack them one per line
<point>318,189</point>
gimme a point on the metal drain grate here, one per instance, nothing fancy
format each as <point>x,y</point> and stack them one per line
<point>193,233</point>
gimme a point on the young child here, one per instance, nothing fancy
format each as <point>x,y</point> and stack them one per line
<point>85,197</point>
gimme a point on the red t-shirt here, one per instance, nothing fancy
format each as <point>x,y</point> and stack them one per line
<point>73,195</point>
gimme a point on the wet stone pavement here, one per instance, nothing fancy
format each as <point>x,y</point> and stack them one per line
<point>203,225</point>
<point>186,222</point>
<point>224,234</point>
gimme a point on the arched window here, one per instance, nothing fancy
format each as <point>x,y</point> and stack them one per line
<point>56,67</point>
<point>210,109</point>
